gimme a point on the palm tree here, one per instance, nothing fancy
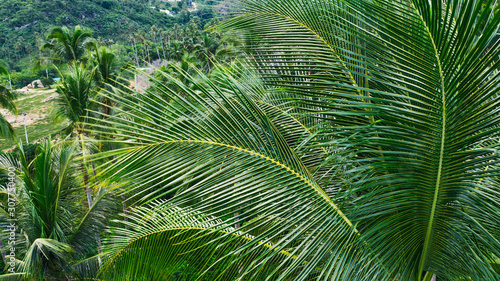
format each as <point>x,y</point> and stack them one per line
<point>230,48</point>
<point>7,98</point>
<point>365,148</point>
<point>162,42</point>
<point>75,93</point>
<point>108,75</point>
<point>176,51</point>
<point>53,230</point>
<point>67,46</point>
<point>131,39</point>
<point>175,30</point>
<point>80,84</point>
<point>154,31</point>
<point>206,48</point>
<point>179,71</point>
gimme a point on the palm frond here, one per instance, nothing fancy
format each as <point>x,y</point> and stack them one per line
<point>166,238</point>
<point>233,163</point>
<point>408,91</point>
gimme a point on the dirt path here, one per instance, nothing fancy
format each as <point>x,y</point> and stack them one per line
<point>38,93</point>
<point>30,118</point>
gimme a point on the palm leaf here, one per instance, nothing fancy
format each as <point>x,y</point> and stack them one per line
<point>165,238</point>
<point>411,88</point>
<point>232,163</point>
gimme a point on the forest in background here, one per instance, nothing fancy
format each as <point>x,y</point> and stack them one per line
<point>23,24</point>
<point>183,44</point>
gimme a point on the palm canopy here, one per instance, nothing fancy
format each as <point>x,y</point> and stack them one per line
<point>108,74</point>
<point>369,151</point>
<point>53,226</point>
<point>66,45</point>
<point>75,93</point>
<point>232,148</point>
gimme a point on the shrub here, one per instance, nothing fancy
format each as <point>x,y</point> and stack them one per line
<point>47,81</point>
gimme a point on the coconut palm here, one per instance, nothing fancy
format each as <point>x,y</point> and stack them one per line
<point>67,46</point>
<point>75,102</point>
<point>7,98</point>
<point>176,51</point>
<point>230,48</point>
<point>365,149</point>
<point>175,30</point>
<point>154,30</point>
<point>206,48</point>
<point>75,93</point>
<point>107,74</point>
<point>178,70</point>
<point>53,226</point>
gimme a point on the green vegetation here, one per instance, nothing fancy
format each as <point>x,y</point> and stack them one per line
<point>55,227</point>
<point>23,23</point>
<point>298,140</point>
<point>7,97</point>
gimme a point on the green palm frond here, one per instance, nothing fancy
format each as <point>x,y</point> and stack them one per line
<point>7,98</point>
<point>55,227</point>
<point>75,93</point>
<point>6,129</point>
<point>40,251</point>
<point>368,152</point>
<point>3,69</point>
<point>66,45</point>
<point>12,276</point>
<point>232,160</point>
<point>409,88</point>
<point>165,238</point>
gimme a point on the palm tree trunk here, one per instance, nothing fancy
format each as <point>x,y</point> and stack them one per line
<point>156,47</point>
<point>134,47</point>
<point>89,196</point>
<point>163,46</point>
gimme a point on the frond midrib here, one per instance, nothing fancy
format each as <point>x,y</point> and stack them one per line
<point>426,245</point>
<point>308,182</point>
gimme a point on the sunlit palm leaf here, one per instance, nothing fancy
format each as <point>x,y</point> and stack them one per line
<point>163,238</point>
<point>420,113</point>
<point>217,149</point>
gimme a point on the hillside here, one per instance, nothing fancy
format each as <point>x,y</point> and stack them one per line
<point>24,22</point>
<point>37,105</point>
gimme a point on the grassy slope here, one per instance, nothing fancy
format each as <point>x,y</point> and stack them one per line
<point>33,105</point>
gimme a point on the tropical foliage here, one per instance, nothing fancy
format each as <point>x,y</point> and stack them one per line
<point>366,152</point>
<point>68,46</point>
<point>7,97</point>
<point>53,225</point>
<point>330,140</point>
<point>24,22</point>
